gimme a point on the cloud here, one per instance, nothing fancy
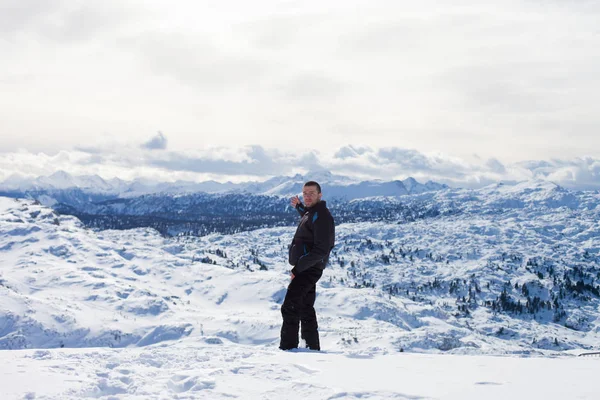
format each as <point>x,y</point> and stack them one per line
<point>249,160</point>
<point>350,152</point>
<point>464,78</point>
<point>17,15</point>
<point>580,172</point>
<point>396,162</point>
<point>495,166</point>
<point>311,86</point>
<point>63,21</point>
<point>259,163</point>
<point>404,158</point>
<point>196,59</point>
<point>158,142</point>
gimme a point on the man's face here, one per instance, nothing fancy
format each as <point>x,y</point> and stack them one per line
<point>311,195</point>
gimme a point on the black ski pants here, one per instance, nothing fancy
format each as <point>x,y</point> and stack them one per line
<point>298,308</point>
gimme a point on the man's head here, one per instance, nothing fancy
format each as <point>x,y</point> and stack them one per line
<point>311,193</point>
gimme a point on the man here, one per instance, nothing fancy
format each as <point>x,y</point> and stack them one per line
<point>309,253</point>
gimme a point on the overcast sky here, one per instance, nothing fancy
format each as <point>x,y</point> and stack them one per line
<point>486,85</point>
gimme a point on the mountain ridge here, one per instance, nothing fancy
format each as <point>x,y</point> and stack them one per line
<point>336,185</point>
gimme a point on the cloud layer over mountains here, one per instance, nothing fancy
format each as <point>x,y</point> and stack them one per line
<point>153,160</point>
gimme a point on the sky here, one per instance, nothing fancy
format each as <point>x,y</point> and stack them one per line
<point>214,88</point>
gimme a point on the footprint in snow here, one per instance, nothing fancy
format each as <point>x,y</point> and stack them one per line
<point>183,383</point>
<point>305,369</point>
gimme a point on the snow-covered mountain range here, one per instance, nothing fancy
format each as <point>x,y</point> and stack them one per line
<point>202,208</point>
<point>512,269</point>
<point>336,186</point>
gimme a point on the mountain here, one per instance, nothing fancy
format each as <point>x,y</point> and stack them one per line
<point>503,270</point>
<point>189,208</point>
<point>59,180</point>
<point>414,187</point>
<point>334,186</point>
<point>200,213</point>
<point>500,270</point>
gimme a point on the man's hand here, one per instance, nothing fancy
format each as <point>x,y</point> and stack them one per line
<point>294,201</point>
<point>293,276</point>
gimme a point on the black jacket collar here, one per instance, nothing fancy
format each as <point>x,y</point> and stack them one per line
<point>321,205</point>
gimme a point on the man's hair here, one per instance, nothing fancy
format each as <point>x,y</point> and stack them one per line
<point>313,183</point>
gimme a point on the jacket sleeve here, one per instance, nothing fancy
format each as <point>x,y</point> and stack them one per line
<point>323,231</point>
<point>301,209</point>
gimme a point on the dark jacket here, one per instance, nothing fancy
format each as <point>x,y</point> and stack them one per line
<point>314,238</point>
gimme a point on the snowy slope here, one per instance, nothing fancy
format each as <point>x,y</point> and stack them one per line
<point>204,369</point>
<point>421,286</point>
<point>202,314</point>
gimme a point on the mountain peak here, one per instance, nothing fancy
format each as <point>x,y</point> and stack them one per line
<point>60,174</point>
<point>410,183</point>
<point>318,174</point>
<point>58,180</point>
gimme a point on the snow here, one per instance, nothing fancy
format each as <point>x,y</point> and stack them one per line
<point>131,314</point>
<point>202,369</point>
<point>338,186</point>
